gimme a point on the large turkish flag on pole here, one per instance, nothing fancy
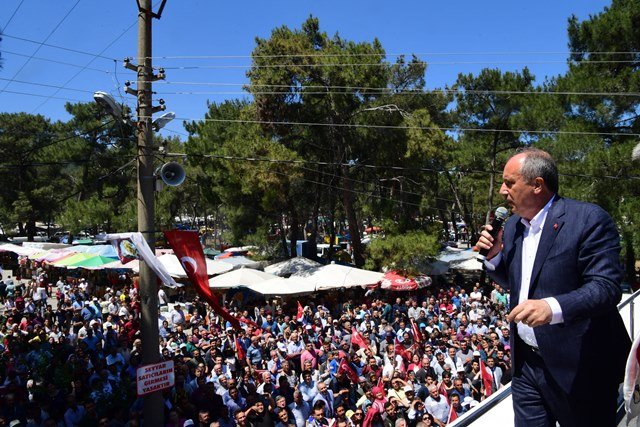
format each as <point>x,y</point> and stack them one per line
<point>186,246</point>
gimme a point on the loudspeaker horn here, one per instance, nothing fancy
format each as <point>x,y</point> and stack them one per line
<point>172,174</point>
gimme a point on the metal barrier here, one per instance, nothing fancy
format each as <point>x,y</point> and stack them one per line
<point>492,401</point>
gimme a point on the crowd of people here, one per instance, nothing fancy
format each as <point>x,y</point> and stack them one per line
<point>420,359</point>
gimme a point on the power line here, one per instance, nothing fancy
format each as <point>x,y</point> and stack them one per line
<point>406,54</point>
<point>41,44</point>
<point>47,85</point>
<point>447,129</point>
<point>390,89</point>
<point>86,66</point>
<point>43,96</point>
<point>11,17</point>
<point>59,47</point>
<point>39,58</point>
<point>386,64</point>
<point>371,166</point>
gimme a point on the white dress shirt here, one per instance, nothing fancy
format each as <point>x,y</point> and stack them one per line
<point>530,242</point>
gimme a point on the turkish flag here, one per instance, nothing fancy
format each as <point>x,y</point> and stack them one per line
<point>417,335</point>
<point>300,314</point>
<point>487,379</point>
<point>443,391</point>
<point>453,415</point>
<point>357,338</point>
<point>348,371</point>
<point>242,353</point>
<point>186,246</point>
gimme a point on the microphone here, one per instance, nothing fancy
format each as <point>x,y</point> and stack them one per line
<point>499,217</point>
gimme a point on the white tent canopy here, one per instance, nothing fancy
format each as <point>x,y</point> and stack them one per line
<point>292,266</point>
<point>334,276</point>
<point>280,286</point>
<point>239,262</point>
<point>240,277</point>
<point>471,264</point>
<point>20,250</point>
<point>173,266</point>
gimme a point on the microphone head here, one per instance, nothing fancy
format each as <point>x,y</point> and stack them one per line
<point>501,213</point>
<point>635,154</point>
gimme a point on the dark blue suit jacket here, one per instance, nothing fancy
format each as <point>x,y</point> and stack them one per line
<point>577,263</point>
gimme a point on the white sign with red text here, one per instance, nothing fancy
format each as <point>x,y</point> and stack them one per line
<point>155,377</point>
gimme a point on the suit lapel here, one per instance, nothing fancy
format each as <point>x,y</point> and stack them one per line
<point>552,225</point>
<point>516,262</point>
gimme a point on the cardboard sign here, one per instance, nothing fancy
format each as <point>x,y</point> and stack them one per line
<point>155,377</point>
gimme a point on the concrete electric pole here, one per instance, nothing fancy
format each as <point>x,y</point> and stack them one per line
<point>153,409</point>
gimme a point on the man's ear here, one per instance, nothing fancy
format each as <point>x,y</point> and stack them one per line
<point>538,185</point>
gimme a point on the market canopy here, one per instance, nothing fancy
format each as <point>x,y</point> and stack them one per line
<point>471,264</point>
<point>292,266</point>
<point>72,259</point>
<point>20,250</point>
<point>334,276</point>
<point>93,263</point>
<point>394,281</point>
<point>280,286</point>
<point>175,269</point>
<point>239,262</point>
<point>103,250</point>
<point>240,277</point>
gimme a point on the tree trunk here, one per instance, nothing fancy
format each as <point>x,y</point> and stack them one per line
<point>354,228</point>
<point>294,230</point>
<point>283,239</point>
<point>492,177</point>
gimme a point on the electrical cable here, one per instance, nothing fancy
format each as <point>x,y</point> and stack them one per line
<point>11,17</point>
<point>41,44</point>
<point>39,58</point>
<point>385,64</point>
<point>58,47</point>
<point>43,96</point>
<point>390,89</point>
<point>436,128</point>
<point>86,66</point>
<point>406,55</point>
<point>371,166</point>
<point>47,85</point>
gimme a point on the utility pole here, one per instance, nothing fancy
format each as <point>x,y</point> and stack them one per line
<point>153,411</point>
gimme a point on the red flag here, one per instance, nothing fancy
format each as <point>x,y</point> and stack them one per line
<point>187,248</point>
<point>417,335</point>
<point>443,391</point>
<point>357,338</point>
<point>242,353</point>
<point>300,314</point>
<point>348,371</point>
<point>400,349</point>
<point>453,415</point>
<point>487,379</point>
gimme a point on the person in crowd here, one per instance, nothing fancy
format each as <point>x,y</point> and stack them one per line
<point>284,373</point>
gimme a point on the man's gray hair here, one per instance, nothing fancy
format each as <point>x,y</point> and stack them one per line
<point>539,163</point>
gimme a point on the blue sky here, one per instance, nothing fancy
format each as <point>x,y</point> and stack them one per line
<point>453,37</point>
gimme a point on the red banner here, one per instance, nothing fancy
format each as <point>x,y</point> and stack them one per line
<point>417,335</point>
<point>186,246</point>
<point>487,379</point>
<point>300,313</point>
<point>357,338</point>
<point>348,371</point>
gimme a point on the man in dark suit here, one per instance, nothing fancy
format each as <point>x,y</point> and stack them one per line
<point>560,260</point>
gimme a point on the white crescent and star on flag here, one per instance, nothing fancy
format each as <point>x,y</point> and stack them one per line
<point>190,261</point>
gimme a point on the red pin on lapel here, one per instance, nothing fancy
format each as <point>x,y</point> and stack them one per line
<point>555,226</point>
